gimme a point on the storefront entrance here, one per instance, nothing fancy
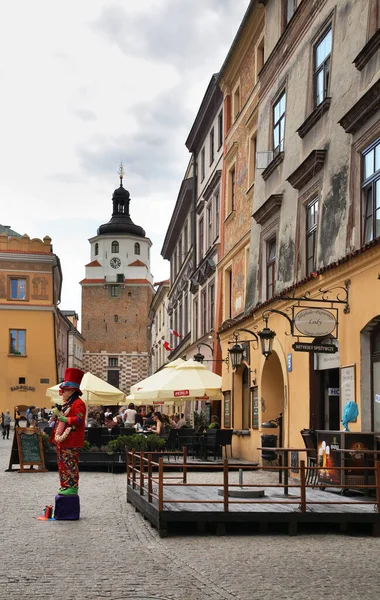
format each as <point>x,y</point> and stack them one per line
<point>325,389</point>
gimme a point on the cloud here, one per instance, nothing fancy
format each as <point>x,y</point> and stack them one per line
<point>180,32</point>
<point>85,114</point>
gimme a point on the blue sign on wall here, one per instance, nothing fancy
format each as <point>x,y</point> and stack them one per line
<point>290,363</point>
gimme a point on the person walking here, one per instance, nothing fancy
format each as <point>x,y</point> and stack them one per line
<point>7,424</point>
<point>17,417</point>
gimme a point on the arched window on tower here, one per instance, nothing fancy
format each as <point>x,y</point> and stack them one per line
<point>96,249</point>
<point>115,247</point>
<point>137,248</point>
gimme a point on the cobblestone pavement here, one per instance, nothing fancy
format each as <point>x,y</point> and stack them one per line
<point>112,553</point>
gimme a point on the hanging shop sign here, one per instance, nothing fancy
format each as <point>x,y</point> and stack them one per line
<point>301,347</point>
<point>314,322</point>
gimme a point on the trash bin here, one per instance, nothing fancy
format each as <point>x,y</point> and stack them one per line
<point>268,441</point>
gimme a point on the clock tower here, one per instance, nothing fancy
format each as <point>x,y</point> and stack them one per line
<point>116,295</point>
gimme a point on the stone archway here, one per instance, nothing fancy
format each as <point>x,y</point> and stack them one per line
<point>272,388</point>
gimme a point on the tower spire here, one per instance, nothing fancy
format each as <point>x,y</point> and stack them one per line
<point>121,173</point>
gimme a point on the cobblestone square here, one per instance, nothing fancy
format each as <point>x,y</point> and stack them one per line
<point>113,553</point>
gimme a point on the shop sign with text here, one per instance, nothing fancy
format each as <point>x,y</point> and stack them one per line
<point>314,322</point>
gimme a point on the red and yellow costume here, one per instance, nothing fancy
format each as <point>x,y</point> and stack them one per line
<point>68,434</point>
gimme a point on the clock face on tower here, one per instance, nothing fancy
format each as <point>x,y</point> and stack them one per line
<point>115,262</point>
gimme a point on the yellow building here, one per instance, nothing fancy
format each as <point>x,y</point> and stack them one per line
<point>30,287</point>
<point>315,228</point>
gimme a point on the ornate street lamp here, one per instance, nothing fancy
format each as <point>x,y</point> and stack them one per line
<point>199,357</point>
<point>266,340</point>
<point>236,354</point>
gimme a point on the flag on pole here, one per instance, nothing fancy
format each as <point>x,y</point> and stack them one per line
<point>167,346</point>
<point>175,333</point>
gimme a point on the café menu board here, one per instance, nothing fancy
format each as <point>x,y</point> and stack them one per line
<point>227,409</point>
<point>30,449</point>
<point>255,407</point>
<point>347,386</point>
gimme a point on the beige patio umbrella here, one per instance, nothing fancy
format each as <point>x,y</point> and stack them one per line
<point>96,392</point>
<point>187,381</point>
<point>155,380</point>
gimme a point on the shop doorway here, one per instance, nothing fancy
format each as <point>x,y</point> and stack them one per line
<point>324,389</point>
<point>272,389</point>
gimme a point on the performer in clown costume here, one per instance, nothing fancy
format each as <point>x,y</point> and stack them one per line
<point>68,432</point>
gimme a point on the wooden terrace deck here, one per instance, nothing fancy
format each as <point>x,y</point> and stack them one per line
<point>168,501</point>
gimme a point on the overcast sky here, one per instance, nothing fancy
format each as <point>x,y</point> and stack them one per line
<point>86,84</point>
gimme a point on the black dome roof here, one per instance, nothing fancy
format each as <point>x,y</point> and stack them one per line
<point>121,222</point>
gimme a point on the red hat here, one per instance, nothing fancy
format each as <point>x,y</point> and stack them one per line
<point>73,378</point>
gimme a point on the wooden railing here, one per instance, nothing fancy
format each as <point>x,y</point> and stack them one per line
<point>143,473</point>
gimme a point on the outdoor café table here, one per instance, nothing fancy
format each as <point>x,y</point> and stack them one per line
<point>285,452</point>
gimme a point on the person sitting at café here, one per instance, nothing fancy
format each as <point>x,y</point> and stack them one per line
<point>174,421</point>
<point>214,423</point>
<point>109,422</point>
<point>181,421</point>
<point>130,415</point>
<point>159,426</point>
<point>139,419</point>
<point>91,420</point>
<point>149,421</point>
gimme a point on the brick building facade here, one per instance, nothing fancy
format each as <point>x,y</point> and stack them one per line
<point>116,295</point>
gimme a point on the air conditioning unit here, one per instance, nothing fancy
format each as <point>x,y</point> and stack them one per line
<point>263,159</point>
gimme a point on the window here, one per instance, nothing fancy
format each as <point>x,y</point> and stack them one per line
<point>115,247</point>
<point>195,318</point>
<point>116,318</point>
<point>270,266</point>
<point>259,57</point>
<point>21,381</point>
<point>311,235</point>
<point>201,237</point>
<point>211,299</point>
<point>236,103</point>
<point>137,248</point>
<point>96,249</point>
<point>113,378</point>
<point>252,160</point>
<point>212,147</point>
<point>180,255</point>
<point>371,193</point>
<point>217,214</point>
<point>120,278</point>
<point>220,130</point>
<point>114,291</point>
<point>209,225</point>
<point>289,7</point>
<point>203,312</point>
<point>113,362</point>
<point>17,341</point>
<point>185,239</point>
<point>180,318</point>
<point>174,269</point>
<point>18,289</point>
<point>279,123</point>
<point>231,191</point>
<point>322,63</point>
<point>203,164</point>
<point>185,315</point>
<point>228,294</point>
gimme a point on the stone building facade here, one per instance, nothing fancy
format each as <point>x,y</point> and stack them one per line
<point>315,232</point>
<point>116,295</point>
